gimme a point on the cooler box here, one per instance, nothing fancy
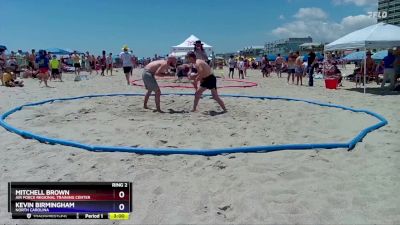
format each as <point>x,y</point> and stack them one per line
<point>331,83</point>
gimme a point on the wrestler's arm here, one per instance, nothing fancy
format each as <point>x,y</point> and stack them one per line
<point>162,70</point>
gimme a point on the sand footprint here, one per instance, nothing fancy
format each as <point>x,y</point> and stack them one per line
<point>158,191</point>
<point>292,175</point>
<point>219,165</point>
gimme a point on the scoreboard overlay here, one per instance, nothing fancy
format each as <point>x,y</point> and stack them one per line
<point>70,200</point>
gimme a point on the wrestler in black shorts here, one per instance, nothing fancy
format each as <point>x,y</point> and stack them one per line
<point>209,82</point>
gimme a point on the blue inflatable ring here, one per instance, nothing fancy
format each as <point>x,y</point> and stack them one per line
<point>209,152</point>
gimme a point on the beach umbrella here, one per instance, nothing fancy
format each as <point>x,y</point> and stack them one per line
<point>380,55</point>
<point>318,55</point>
<point>70,51</point>
<point>3,47</point>
<point>305,57</point>
<point>355,56</point>
<point>271,57</point>
<point>57,51</point>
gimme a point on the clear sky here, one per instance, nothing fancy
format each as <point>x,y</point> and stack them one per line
<point>153,26</point>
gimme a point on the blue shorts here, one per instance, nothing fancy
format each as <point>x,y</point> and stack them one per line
<point>299,69</point>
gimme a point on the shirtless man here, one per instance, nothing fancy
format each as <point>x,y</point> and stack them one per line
<point>156,68</point>
<point>88,63</point>
<point>207,81</point>
<point>371,67</point>
<point>291,66</point>
<point>31,61</point>
<point>77,65</point>
<point>279,61</point>
<point>299,68</point>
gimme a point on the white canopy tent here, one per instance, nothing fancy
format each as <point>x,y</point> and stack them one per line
<point>188,45</point>
<point>380,35</point>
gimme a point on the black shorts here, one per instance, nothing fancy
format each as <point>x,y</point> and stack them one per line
<point>77,65</point>
<point>54,72</point>
<point>209,82</point>
<point>231,69</point>
<point>127,69</point>
<point>30,65</point>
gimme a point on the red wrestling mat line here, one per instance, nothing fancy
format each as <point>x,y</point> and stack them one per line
<point>163,84</point>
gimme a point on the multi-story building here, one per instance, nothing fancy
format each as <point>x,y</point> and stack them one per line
<point>285,46</point>
<point>389,11</point>
<point>306,47</point>
<point>252,51</point>
<point>226,55</point>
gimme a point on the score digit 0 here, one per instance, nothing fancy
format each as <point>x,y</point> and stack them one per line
<point>121,194</point>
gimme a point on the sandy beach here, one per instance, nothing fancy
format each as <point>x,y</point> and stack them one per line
<point>285,187</point>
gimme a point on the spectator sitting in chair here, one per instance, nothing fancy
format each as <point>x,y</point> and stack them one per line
<point>371,66</point>
<point>380,68</point>
<point>336,73</point>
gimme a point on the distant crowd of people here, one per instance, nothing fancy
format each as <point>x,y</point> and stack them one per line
<point>299,66</point>
<point>294,66</point>
<point>47,66</point>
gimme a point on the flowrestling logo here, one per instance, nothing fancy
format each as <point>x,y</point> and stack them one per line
<point>378,14</point>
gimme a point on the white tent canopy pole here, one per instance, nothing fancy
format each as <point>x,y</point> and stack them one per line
<point>365,70</point>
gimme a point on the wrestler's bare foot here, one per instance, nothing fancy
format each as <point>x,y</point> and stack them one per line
<point>159,110</point>
<point>194,110</point>
<point>145,107</point>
